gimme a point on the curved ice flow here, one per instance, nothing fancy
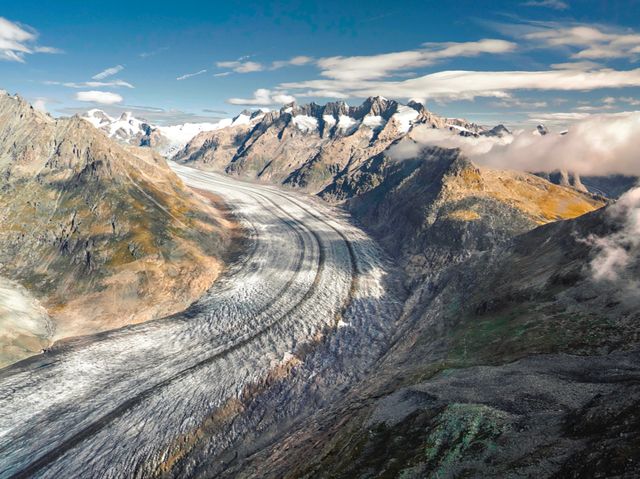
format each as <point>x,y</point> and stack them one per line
<point>107,405</point>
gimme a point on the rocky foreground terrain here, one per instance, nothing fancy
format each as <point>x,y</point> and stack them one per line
<point>100,235</point>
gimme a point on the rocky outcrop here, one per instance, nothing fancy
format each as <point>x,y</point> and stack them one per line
<point>100,234</point>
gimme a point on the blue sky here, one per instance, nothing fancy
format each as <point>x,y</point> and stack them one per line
<point>499,61</point>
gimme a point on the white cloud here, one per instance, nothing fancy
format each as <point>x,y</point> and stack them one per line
<point>103,97</point>
<point>92,84</point>
<point>363,68</point>
<point>583,65</point>
<point>471,84</point>
<point>616,253</point>
<point>594,145</point>
<point>589,42</point>
<point>559,117</point>
<point>295,61</point>
<point>554,4</point>
<point>189,75</point>
<point>222,74</point>
<point>108,72</point>
<point>263,97</point>
<point>241,66</point>
<point>630,101</point>
<point>511,102</point>
<point>17,40</point>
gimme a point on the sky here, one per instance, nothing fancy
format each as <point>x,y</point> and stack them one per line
<point>514,62</point>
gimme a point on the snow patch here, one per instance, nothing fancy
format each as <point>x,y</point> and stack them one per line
<point>405,116</point>
<point>305,123</point>
<point>373,121</point>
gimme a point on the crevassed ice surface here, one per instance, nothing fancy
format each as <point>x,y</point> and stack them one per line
<point>109,405</point>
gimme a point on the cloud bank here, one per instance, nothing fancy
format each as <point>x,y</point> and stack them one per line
<point>598,145</point>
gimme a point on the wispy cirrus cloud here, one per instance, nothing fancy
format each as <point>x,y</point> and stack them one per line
<point>470,84</point>
<point>92,84</point>
<point>263,97</point>
<point>190,75</point>
<point>153,53</point>
<point>553,4</point>
<point>17,41</point>
<point>370,67</point>
<point>108,72</point>
<point>102,97</point>
<point>243,65</point>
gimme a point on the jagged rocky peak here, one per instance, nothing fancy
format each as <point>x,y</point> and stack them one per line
<point>336,108</point>
<point>376,106</point>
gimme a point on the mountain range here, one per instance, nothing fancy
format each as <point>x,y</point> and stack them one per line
<point>101,235</point>
<point>511,351</point>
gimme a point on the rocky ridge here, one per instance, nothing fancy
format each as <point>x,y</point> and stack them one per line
<point>102,235</point>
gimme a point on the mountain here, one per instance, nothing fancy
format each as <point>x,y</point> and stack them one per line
<point>317,147</point>
<point>437,208</point>
<point>309,146</point>
<point>101,234</point>
<point>166,140</point>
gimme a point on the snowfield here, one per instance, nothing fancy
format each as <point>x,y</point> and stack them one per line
<point>116,404</point>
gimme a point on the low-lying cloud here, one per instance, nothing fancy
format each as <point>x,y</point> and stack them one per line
<point>597,145</point>
<point>617,253</point>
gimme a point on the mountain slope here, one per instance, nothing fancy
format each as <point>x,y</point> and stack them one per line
<point>519,362</point>
<point>102,235</point>
<point>438,208</point>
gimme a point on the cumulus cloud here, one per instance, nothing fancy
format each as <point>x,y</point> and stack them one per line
<point>263,97</point>
<point>108,72</point>
<point>189,75</point>
<point>102,97</point>
<point>17,41</point>
<point>554,4</point>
